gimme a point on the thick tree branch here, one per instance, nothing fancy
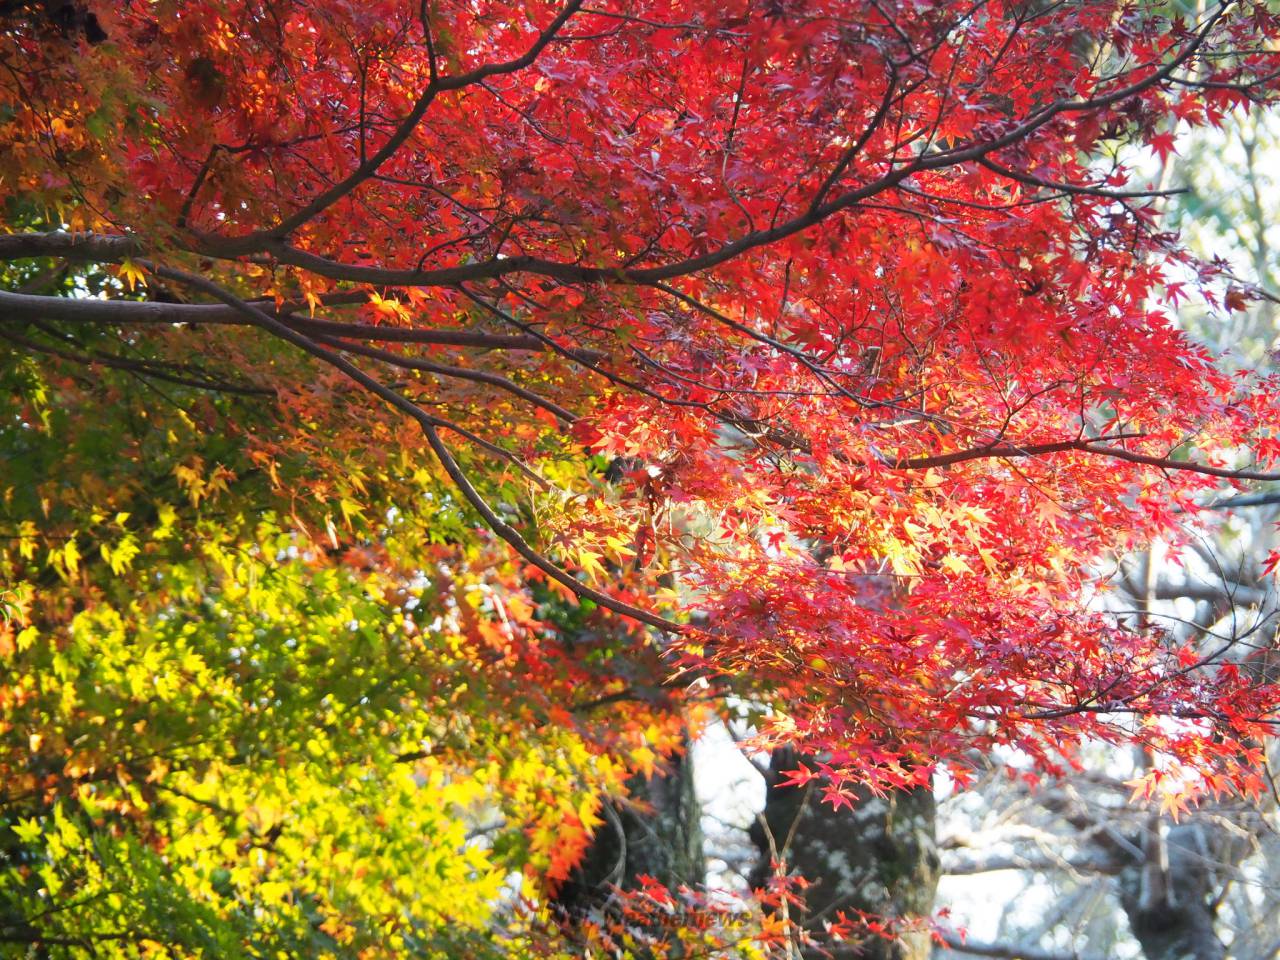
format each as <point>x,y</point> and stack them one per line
<point>1096,864</point>
<point>1245,500</point>
<point>96,247</point>
<point>26,307</point>
<point>272,241</point>
<point>1006,952</point>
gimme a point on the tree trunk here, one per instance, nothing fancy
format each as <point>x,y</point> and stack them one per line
<point>880,858</point>
<point>657,834</point>
<point>1169,898</point>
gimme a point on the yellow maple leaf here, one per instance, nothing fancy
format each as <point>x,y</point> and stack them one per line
<point>131,274</point>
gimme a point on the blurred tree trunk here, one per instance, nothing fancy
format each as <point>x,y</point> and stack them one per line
<point>657,832</point>
<point>1170,898</point>
<point>880,858</point>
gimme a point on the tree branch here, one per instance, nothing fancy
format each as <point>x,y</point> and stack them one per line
<point>1005,952</point>
<point>26,307</point>
<point>1088,445</point>
<point>430,427</point>
<point>457,373</point>
<point>1245,500</point>
<point>271,241</point>
<point>397,139</point>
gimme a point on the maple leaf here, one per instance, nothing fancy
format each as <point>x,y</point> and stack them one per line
<point>1175,804</point>
<point>1163,144</point>
<point>1271,563</point>
<point>132,274</point>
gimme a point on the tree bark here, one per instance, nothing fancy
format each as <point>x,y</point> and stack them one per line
<point>880,858</point>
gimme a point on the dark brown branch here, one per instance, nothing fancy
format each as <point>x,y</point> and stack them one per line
<point>457,373</point>
<point>102,248</point>
<point>430,427</point>
<point>1086,445</point>
<point>1092,190</point>
<point>857,146</point>
<point>175,373</point>
<point>513,537</point>
<point>26,307</point>
<point>403,131</point>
